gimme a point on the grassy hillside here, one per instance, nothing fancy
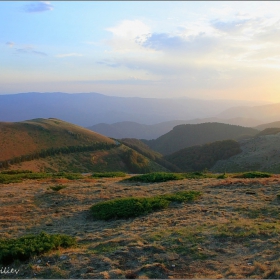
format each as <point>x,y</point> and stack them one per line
<point>260,153</point>
<point>268,125</point>
<point>198,158</point>
<point>183,136</point>
<point>22,138</point>
<point>52,145</point>
<point>144,149</point>
<point>269,131</point>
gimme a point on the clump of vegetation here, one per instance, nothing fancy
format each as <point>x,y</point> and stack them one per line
<point>164,176</point>
<point>15,176</point>
<point>222,176</point>
<point>254,174</point>
<point>156,177</point>
<point>16,171</point>
<point>18,177</point>
<point>137,206</point>
<point>69,176</point>
<point>58,187</point>
<point>27,246</point>
<point>108,174</point>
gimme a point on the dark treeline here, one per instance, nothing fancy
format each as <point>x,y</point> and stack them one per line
<point>56,151</point>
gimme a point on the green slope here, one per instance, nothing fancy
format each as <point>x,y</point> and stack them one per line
<point>183,136</point>
<point>198,158</point>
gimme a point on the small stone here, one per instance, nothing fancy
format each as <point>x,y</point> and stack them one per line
<point>63,257</point>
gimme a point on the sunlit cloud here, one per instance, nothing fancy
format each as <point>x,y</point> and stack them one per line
<point>68,55</point>
<point>127,35</point>
<point>38,7</point>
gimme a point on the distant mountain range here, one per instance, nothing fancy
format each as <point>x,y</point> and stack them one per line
<point>127,129</point>
<point>264,113</point>
<point>87,109</point>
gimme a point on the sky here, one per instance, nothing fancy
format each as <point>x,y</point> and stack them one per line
<point>162,49</point>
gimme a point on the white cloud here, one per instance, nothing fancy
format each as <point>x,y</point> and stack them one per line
<point>127,34</point>
<point>68,55</point>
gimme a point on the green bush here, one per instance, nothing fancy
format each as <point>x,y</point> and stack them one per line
<point>156,177</point>
<point>16,171</point>
<point>69,176</point>
<point>163,176</point>
<point>24,247</point>
<point>182,196</point>
<point>58,187</point>
<point>137,206</point>
<point>254,174</point>
<point>108,174</point>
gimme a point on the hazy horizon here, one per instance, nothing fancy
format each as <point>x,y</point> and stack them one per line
<point>152,49</point>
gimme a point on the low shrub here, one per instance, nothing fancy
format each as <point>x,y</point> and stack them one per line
<point>108,174</point>
<point>69,176</point>
<point>182,196</point>
<point>24,247</point>
<point>156,177</point>
<point>137,206</point>
<point>254,174</point>
<point>16,171</point>
<point>164,176</point>
<point>58,187</point>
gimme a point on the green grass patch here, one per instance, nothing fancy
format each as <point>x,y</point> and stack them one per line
<point>253,174</point>
<point>104,248</point>
<point>30,245</point>
<point>16,171</point>
<point>137,206</point>
<point>237,230</point>
<point>69,176</point>
<point>17,176</point>
<point>164,176</point>
<point>108,174</point>
<point>58,187</point>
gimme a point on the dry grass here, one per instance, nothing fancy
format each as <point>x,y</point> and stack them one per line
<point>232,231</point>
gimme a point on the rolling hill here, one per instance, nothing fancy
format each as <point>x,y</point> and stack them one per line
<point>198,158</point>
<point>135,130</point>
<point>261,153</point>
<point>268,125</point>
<point>183,136</point>
<point>54,145</point>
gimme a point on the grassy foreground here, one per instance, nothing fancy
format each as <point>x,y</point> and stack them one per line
<point>231,231</point>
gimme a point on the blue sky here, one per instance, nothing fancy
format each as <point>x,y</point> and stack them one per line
<point>213,50</point>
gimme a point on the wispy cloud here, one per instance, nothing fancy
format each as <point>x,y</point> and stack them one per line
<point>129,81</point>
<point>68,55</point>
<point>38,7</point>
<point>10,44</point>
<point>30,50</point>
